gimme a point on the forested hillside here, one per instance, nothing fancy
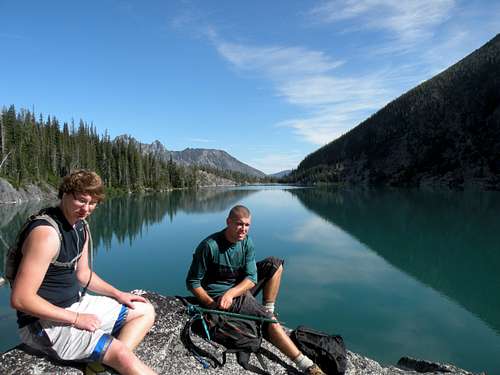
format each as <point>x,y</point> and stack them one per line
<point>42,150</point>
<point>445,131</point>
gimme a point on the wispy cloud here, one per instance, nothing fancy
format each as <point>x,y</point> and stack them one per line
<point>189,16</point>
<point>308,79</point>
<point>324,126</point>
<point>332,96</point>
<point>277,62</point>
<point>321,91</point>
<point>410,21</point>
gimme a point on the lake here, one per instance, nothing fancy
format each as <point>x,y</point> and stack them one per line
<point>394,272</point>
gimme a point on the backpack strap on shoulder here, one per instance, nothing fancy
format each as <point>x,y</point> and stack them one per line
<point>42,215</point>
<point>14,253</point>
<point>90,252</point>
<point>53,224</point>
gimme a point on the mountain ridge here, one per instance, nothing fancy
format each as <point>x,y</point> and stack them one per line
<point>445,131</point>
<point>213,158</point>
<point>281,174</point>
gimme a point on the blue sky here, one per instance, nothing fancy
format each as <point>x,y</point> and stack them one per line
<point>267,81</point>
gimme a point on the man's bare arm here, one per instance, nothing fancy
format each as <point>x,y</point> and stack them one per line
<point>38,250</point>
<point>203,297</point>
<point>226,300</point>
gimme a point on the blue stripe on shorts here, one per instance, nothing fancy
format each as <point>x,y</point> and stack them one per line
<point>120,321</point>
<point>101,347</point>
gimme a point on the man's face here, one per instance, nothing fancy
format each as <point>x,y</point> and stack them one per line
<point>80,205</point>
<point>237,228</point>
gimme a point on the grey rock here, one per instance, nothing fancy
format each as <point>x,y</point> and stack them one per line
<point>30,192</point>
<point>165,353</point>
<point>213,158</point>
<point>205,179</point>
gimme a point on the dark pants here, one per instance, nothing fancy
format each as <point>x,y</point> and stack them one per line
<point>246,303</point>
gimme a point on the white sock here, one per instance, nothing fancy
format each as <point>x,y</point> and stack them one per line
<point>269,306</point>
<point>303,362</point>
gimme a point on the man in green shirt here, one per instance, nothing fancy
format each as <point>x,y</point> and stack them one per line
<point>224,275</point>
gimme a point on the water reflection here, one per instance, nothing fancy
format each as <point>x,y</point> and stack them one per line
<point>447,240</point>
<point>371,265</point>
<point>125,218</point>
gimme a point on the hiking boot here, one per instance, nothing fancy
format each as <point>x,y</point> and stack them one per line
<point>314,370</point>
<point>97,368</point>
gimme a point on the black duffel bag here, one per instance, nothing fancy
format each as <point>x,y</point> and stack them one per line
<point>327,351</point>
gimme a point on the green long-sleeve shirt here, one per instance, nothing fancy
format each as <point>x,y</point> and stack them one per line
<point>218,264</point>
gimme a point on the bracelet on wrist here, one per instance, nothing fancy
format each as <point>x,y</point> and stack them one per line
<point>76,319</point>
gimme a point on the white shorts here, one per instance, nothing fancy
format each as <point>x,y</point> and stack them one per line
<point>64,342</point>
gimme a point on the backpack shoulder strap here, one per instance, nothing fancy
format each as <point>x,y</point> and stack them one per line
<point>53,223</point>
<point>196,350</point>
<point>243,358</point>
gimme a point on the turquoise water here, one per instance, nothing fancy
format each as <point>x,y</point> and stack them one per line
<point>395,272</point>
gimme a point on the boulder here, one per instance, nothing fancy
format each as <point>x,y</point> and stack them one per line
<point>163,350</point>
<point>30,192</point>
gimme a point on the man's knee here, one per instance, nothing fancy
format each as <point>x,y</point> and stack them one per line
<point>274,261</point>
<point>269,266</point>
<point>275,266</point>
<point>119,355</point>
<point>148,310</point>
<point>142,309</point>
<point>270,330</point>
<point>279,270</point>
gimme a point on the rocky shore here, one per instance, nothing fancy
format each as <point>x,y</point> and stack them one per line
<point>163,350</point>
<point>43,192</point>
<point>10,195</point>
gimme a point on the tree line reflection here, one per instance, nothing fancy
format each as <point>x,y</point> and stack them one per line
<point>125,218</point>
<point>447,240</point>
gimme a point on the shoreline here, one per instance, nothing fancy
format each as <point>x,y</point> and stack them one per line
<point>163,350</point>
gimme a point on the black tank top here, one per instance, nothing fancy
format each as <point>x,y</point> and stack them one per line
<point>60,285</point>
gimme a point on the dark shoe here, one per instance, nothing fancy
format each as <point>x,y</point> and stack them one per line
<point>314,370</point>
<point>97,368</point>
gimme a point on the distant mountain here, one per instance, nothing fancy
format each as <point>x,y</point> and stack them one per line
<point>445,131</point>
<point>197,156</point>
<point>281,174</point>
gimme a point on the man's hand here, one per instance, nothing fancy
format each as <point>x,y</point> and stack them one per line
<point>226,300</point>
<point>127,299</point>
<point>88,322</point>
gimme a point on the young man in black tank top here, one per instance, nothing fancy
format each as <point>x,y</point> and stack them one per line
<point>52,317</point>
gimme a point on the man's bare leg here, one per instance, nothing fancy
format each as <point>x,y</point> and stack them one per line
<point>122,359</point>
<point>139,322</point>
<point>272,287</point>
<point>279,338</point>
